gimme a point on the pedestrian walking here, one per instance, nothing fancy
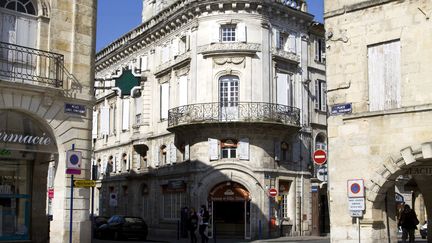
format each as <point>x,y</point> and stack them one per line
<point>408,221</point>
<point>192,225</point>
<point>203,223</point>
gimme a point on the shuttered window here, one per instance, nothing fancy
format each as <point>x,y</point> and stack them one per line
<point>320,95</point>
<point>284,89</point>
<point>213,149</point>
<point>95,124</point>
<point>125,116</point>
<point>164,101</point>
<point>384,76</point>
<point>183,90</point>
<point>243,148</point>
<point>104,121</point>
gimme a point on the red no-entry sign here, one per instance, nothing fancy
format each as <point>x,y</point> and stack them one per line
<point>273,192</point>
<point>319,157</point>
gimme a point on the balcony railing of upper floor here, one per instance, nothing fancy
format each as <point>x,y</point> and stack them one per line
<point>31,66</point>
<point>218,112</point>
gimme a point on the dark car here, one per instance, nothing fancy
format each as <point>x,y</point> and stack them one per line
<point>98,221</point>
<point>423,231</point>
<point>119,227</point>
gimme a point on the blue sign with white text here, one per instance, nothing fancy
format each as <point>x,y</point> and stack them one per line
<point>341,109</point>
<point>75,109</point>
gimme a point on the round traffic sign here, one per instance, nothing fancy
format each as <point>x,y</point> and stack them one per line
<point>355,188</point>
<point>273,192</point>
<point>319,157</point>
<point>74,159</point>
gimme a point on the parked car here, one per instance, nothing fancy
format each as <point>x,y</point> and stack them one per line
<point>119,227</point>
<point>423,231</point>
<point>98,221</point>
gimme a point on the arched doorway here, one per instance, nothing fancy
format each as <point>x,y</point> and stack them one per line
<point>27,150</point>
<point>229,204</point>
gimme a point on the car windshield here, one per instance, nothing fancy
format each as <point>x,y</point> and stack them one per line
<point>133,220</point>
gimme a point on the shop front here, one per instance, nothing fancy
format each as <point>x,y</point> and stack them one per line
<point>25,151</point>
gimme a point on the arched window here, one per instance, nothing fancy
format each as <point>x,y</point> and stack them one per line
<point>22,6</point>
<point>228,97</point>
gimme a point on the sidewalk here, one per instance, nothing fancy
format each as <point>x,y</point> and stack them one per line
<point>314,239</point>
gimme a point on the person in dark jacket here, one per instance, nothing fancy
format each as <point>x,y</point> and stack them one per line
<point>408,221</point>
<point>203,223</point>
<point>192,224</point>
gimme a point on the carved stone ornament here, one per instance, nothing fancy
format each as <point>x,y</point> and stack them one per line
<point>224,60</point>
<point>227,48</point>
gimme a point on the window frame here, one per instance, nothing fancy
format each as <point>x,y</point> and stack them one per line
<point>228,33</point>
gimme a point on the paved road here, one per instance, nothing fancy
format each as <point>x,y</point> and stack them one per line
<point>278,240</point>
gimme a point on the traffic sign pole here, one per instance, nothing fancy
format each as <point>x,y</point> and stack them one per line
<point>71,203</point>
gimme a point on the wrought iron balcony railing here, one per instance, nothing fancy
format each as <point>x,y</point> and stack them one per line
<point>31,66</point>
<point>217,112</point>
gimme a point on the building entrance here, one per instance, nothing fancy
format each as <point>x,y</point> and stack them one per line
<point>229,203</point>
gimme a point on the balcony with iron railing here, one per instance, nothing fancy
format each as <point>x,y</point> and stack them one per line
<point>31,66</point>
<point>229,112</point>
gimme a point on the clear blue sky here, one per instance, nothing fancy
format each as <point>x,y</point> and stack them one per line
<point>116,17</point>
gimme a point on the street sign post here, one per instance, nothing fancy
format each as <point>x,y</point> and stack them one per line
<point>355,188</point>
<point>356,203</point>
<point>273,192</point>
<point>319,157</point>
<point>84,183</point>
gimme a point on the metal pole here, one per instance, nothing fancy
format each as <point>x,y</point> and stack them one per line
<point>269,223</point>
<point>358,223</point>
<point>71,209</point>
<point>93,177</point>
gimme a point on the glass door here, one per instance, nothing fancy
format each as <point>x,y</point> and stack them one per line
<point>15,199</point>
<point>229,98</point>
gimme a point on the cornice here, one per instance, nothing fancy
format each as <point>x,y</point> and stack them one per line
<point>178,61</point>
<point>288,56</point>
<point>182,12</point>
<point>229,48</point>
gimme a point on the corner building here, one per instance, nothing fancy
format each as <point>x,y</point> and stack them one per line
<point>378,54</point>
<point>46,67</point>
<point>210,102</point>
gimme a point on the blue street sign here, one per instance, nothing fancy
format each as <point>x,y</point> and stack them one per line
<point>75,109</point>
<point>341,109</point>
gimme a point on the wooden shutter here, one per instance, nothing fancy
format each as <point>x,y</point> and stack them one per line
<point>244,149</point>
<point>144,63</point>
<point>241,32</point>
<point>8,28</point>
<point>292,47</point>
<point>126,114</point>
<point>384,76</point>
<point>282,88</point>
<point>317,49</point>
<point>26,32</point>
<point>104,120</point>
<point>323,96</point>
<point>138,105</point>
<point>213,149</point>
<point>164,101</point>
<point>165,53</point>
<point>215,33</point>
<point>156,156</point>
<point>277,40</point>
<point>183,90</point>
<point>317,94</point>
<point>187,152</point>
<point>95,124</point>
<point>175,46</point>
<point>277,147</point>
<point>172,153</point>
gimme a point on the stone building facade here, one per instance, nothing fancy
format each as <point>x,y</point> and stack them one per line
<point>378,54</point>
<point>212,102</point>
<point>46,100</point>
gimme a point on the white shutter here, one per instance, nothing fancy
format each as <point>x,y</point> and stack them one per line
<point>277,151</point>
<point>215,33</point>
<point>104,120</point>
<point>277,40</point>
<point>323,96</point>
<point>213,149</point>
<point>183,91</point>
<point>164,101</point>
<point>172,153</point>
<point>156,158</point>
<point>26,32</point>
<point>282,88</point>
<point>187,152</point>
<point>241,32</point>
<point>128,164</point>
<point>244,149</point>
<point>292,47</point>
<point>104,165</point>
<point>317,49</point>
<point>126,114</point>
<point>165,53</point>
<point>144,63</point>
<point>8,28</point>
<point>138,105</point>
<point>94,125</point>
<point>317,95</point>
<point>175,46</point>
